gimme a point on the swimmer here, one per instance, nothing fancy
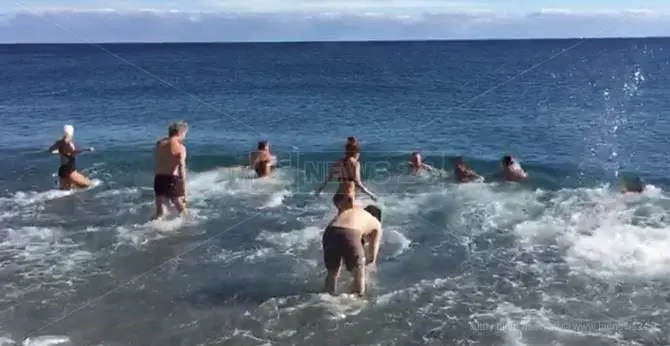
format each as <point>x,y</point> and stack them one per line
<point>347,171</point>
<point>170,170</point>
<point>352,140</point>
<point>262,160</point>
<point>416,164</point>
<point>343,240</point>
<point>512,170</point>
<point>463,173</point>
<point>68,176</point>
<point>635,185</point>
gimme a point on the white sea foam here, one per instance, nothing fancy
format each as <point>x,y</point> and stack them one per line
<point>594,231</point>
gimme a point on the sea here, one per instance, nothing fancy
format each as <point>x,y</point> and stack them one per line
<point>563,258</point>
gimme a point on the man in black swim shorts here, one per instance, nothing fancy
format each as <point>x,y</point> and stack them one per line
<point>343,240</point>
<point>170,170</point>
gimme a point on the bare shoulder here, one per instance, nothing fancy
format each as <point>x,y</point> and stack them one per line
<point>160,142</point>
<point>375,224</point>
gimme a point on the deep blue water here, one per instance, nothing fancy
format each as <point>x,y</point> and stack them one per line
<point>555,259</point>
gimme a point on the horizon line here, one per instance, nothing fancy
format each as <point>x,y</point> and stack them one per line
<point>594,38</point>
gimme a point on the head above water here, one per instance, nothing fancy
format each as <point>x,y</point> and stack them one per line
<point>415,157</point>
<point>352,140</point>
<point>374,211</point>
<point>178,129</point>
<point>636,184</point>
<point>459,160</point>
<point>507,160</point>
<point>263,145</point>
<point>352,150</point>
<point>68,131</point>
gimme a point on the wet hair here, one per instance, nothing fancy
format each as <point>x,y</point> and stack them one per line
<point>459,160</point>
<point>351,149</point>
<point>351,139</point>
<point>262,145</point>
<point>176,128</point>
<point>507,160</point>
<point>415,154</point>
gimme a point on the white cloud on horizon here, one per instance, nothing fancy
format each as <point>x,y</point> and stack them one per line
<point>164,25</point>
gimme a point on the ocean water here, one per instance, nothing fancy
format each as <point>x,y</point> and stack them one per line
<point>562,259</point>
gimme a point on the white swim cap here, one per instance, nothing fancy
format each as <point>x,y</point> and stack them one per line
<point>68,130</point>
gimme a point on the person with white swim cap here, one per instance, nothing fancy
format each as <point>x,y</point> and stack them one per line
<point>68,175</point>
<point>170,169</point>
<point>512,170</point>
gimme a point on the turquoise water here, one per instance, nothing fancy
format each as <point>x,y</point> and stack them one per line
<point>560,258</point>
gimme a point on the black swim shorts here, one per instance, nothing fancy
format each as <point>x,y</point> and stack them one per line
<point>167,185</point>
<point>342,243</point>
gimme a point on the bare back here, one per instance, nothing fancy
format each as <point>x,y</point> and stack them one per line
<point>344,170</point>
<point>167,155</point>
<point>357,219</point>
<point>66,150</point>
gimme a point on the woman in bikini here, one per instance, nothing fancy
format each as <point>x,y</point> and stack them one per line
<point>347,171</point>
<point>68,175</point>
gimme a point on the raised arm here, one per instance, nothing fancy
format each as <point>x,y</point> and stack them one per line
<point>359,183</point>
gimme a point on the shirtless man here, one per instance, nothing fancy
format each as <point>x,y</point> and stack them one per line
<point>347,171</point>
<point>343,240</point>
<point>170,169</point>
<point>262,161</point>
<point>416,163</point>
<point>512,170</point>
<point>463,173</point>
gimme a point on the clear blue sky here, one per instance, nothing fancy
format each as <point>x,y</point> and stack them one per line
<point>253,20</point>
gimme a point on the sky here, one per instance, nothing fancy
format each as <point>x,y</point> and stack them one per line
<point>30,21</point>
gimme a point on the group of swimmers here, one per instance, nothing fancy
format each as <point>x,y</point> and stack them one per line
<point>346,238</point>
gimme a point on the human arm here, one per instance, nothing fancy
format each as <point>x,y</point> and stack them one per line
<point>517,170</point>
<point>359,183</point>
<point>329,176</point>
<point>182,169</point>
<point>472,174</point>
<point>53,149</point>
<point>520,172</point>
<point>83,150</point>
<point>428,167</point>
<point>376,235</point>
<point>253,158</point>
<point>76,151</point>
